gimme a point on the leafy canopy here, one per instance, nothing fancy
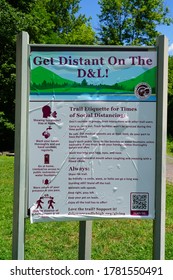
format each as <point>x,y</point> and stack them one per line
<point>131,22</point>
<point>48,21</point>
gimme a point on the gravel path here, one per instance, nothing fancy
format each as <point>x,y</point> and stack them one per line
<point>169,169</point>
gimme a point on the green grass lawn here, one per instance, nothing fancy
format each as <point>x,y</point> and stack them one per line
<point>111,239</point>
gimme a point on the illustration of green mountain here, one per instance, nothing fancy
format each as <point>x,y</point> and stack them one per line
<point>42,78</point>
<point>148,77</point>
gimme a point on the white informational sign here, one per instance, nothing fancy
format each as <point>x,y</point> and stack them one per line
<point>92,134</point>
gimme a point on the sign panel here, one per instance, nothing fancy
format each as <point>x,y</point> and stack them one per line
<point>92,133</point>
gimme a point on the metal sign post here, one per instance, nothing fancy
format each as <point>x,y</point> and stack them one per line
<point>160,192</point>
<point>21,126</point>
<point>85,238</point>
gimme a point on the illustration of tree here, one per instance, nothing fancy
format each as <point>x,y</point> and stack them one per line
<point>84,83</point>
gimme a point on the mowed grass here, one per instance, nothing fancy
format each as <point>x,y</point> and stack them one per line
<point>111,239</point>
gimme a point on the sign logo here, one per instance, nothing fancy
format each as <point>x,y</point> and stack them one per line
<point>143,90</point>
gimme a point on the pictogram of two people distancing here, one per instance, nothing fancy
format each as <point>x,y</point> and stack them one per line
<point>50,203</point>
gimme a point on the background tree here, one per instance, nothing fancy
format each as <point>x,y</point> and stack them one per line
<point>48,21</point>
<point>9,21</point>
<point>131,22</point>
<point>135,22</point>
<point>170,97</point>
<point>55,21</point>
<point>68,27</point>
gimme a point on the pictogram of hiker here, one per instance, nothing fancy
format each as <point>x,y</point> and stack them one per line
<point>51,202</point>
<point>39,201</point>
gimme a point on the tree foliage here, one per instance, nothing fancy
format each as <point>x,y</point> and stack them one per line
<point>135,22</point>
<point>48,21</point>
<point>131,22</point>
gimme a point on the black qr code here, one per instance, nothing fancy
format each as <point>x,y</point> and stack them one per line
<point>139,201</point>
